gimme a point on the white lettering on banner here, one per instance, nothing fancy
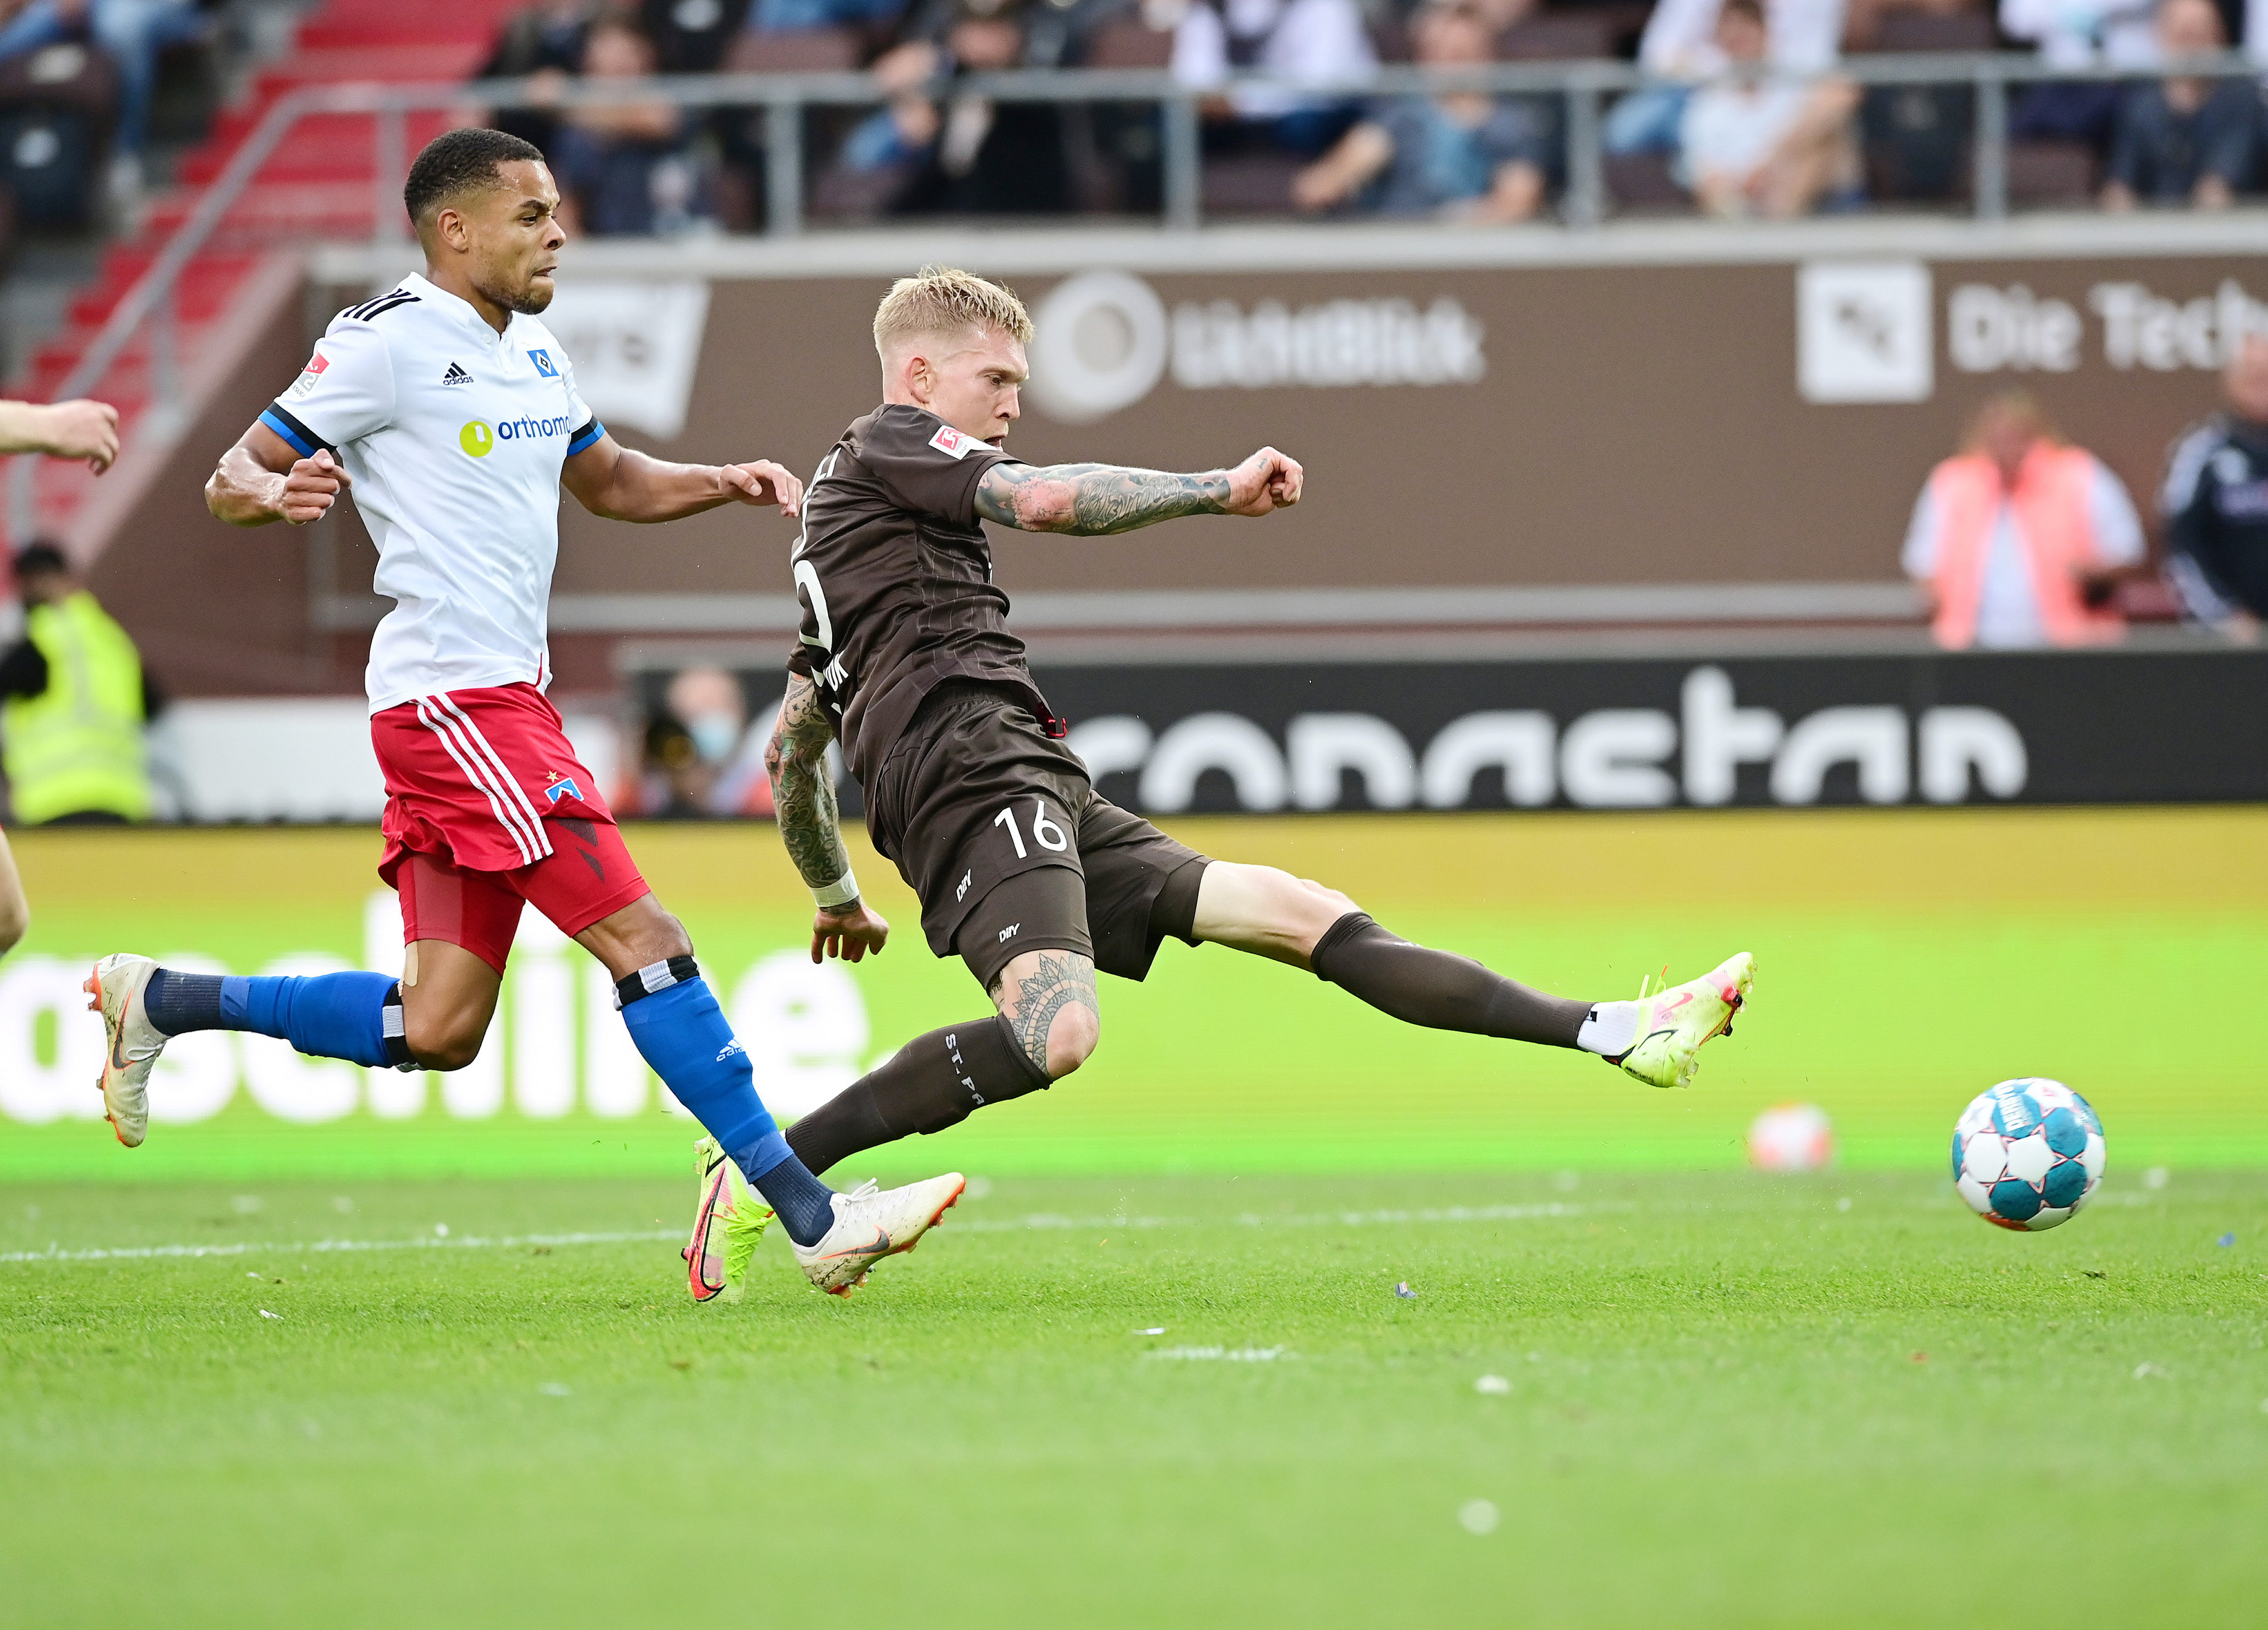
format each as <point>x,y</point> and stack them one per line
<point>1325,745</point>
<point>50,1046</point>
<point>1610,758</point>
<point>1374,341</point>
<point>805,1027</point>
<point>635,346</point>
<point>1987,329</point>
<point>1228,742</point>
<point>543,1020</point>
<point>616,1084</point>
<point>2140,327</point>
<point>1518,744</point>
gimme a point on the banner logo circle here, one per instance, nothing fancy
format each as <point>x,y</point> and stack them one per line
<point>1099,345</point>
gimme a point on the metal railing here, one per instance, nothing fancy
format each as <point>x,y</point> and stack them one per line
<point>1582,87</point>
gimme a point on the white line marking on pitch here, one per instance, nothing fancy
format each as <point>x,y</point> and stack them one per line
<point>1043,1221</point>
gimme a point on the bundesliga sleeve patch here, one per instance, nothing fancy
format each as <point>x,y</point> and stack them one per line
<point>309,375</point>
<point>952,444</point>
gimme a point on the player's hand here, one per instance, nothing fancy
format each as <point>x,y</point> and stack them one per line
<point>83,430</point>
<point>1265,480</point>
<point>849,934</point>
<point>760,481</point>
<point>313,486</point>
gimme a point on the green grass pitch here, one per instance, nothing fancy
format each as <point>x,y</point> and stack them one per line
<point>1724,1400</point>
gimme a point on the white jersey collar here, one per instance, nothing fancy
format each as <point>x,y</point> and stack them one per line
<point>457,308</point>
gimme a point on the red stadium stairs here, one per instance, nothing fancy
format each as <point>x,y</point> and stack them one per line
<point>320,183</point>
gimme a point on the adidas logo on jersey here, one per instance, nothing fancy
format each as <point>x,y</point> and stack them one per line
<point>456,376</point>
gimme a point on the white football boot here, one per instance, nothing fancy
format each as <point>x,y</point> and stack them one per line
<point>870,1226</point>
<point>132,1043</point>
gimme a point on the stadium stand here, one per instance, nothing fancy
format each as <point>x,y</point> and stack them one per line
<point>319,183</point>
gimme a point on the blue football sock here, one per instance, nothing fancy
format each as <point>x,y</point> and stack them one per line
<point>180,1002</point>
<point>330,1015</point>
<point>804,1206</point>
<point>679,1030</point>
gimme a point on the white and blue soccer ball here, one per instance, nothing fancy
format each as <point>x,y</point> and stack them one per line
<point>2028,1154</point>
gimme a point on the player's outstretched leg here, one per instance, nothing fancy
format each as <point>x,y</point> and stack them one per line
<point>357,1016</point>
<point>1047,1024</point>
<point>1271,913</point>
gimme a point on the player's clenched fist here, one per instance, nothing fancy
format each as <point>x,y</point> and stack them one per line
<point>1264,482</point>
<point>310,489</point>
<point>83,430</point>
<point>760,481</point>
<point>849,934</point>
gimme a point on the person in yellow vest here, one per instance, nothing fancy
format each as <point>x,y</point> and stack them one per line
<point>73,701</point>
<point>63,429</point>
<point>2020,538</point>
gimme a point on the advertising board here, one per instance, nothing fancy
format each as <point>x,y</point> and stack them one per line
<point>1909,959</point>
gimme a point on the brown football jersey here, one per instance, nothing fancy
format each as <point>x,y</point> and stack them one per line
<point>895,578</point>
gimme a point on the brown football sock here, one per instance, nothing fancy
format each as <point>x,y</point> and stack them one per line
<point>1438,989</point>
<point>932,1082</point>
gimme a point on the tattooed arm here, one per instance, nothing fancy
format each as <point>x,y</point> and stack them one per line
<point>1092,500</point>
<point>803,797</point>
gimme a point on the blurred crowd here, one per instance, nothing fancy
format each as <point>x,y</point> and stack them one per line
<point>1747,113</point>
<point>79,80</point>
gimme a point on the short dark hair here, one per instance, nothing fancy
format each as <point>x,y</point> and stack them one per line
<point>34,558</point>
<point>457,161</point>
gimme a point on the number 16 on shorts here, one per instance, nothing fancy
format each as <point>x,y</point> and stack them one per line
<point>1044,831</point>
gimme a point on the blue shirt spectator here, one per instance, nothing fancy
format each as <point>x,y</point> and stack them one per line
<point>1483,158</point>
<point>2181,140</point>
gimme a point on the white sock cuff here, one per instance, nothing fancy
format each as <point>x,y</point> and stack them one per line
<point>1611,1030</point>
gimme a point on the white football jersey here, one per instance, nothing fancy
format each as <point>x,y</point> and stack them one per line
<point>453,435</point>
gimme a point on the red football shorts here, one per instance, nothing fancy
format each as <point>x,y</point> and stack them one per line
<point>486,807</point>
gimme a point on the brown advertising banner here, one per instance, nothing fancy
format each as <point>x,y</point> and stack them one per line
<point>1533,425</point>
<point>1644,426</point>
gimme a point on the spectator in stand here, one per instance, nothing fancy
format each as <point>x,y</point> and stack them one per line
<point>2021,540</point>
<point>792,17</point>
<point>690,36</point>
<point>2215,504</point>
<point>2183,140</point>
<point>624,168</point>
<point>74,698</point>
<point>702,758</point>
<point>2078,34</point>
<point>959,154</point>
<point>1468,156</point>
<point>1757,139</point>
<point>131,32</point>
<point>543,43</point>
<point>1680,47</point>
<point>1322,41</point>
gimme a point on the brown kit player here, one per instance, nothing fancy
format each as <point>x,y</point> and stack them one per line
<point>905,657</point>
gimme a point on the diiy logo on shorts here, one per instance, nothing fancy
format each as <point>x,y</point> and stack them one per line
<point>962,893</point>
<point>1009,932</point>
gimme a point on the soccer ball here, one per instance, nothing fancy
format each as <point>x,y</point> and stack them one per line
<point>1791,1137</point>
<point>2027,1153</point>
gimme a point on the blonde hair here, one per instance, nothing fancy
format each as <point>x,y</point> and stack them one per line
<point>944,300</point>
<point>2019,405</point>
